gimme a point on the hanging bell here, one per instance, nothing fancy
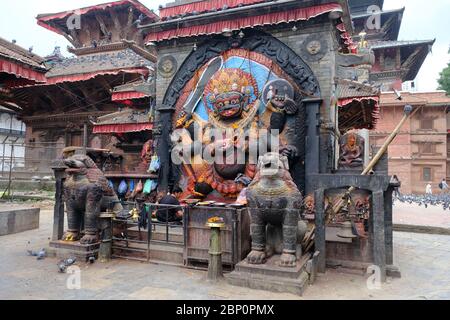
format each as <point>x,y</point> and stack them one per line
<point>134,214</point>
<point>346,231</point>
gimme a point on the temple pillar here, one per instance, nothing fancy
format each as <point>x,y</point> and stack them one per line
<point>312,155</point>
<point>162,135</point>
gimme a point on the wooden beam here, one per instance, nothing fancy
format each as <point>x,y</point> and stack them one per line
<point>72,96</point>
<point>87,96</point>
<point>129,22</point>
<point>116,21</point>
<point>411,58</point>
<point>74,35</point>
<point>102,24</point>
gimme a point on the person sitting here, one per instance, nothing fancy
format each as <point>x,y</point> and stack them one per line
<point>170,214</point>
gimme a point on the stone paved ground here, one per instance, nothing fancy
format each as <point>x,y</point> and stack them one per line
<point>414,214</point>
<point>423,259</point>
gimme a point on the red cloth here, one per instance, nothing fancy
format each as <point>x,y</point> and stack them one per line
<point>21,71</point>
<point>122,128</point>
<point>346,101</point>
<point>87,76</point>
<point>128,95</point>
<point>375,110</point>
<point>242,23</point>
<point>203,6</point>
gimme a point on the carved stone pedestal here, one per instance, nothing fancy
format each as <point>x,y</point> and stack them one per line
<point>271,277</point>
<point>65,249</point>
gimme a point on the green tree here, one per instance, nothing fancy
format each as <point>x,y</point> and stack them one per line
<point>444,79</point>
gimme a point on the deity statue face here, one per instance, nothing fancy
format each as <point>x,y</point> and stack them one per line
<point>229,93</point>
<point>167,66</point>
<point>313,47</point>
<point>229,105</point>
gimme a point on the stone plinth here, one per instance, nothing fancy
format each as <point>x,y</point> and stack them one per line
<point>18,220</point>
<point>64,249</point>
<point>271,277</point>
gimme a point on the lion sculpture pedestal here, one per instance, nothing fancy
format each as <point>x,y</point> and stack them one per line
<point>276,262</point>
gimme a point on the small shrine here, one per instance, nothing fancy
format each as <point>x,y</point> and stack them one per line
<point>250,117</point>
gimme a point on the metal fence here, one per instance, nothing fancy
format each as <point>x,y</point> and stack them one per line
<point>22,163</point>
<point>25,160</point>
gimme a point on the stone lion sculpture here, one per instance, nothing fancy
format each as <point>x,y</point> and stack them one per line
<point>86,194</point>
<point>274,203</point>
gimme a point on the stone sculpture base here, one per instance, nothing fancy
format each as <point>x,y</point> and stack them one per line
<point>65,249</point>
<point>271,277</point>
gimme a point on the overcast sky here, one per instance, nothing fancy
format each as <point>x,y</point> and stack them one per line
<point>422,20</point>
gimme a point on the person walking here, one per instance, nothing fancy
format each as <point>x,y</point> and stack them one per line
<point>443,186</point>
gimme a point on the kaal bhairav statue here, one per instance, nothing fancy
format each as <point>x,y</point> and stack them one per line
<point>86,193</point>
<point>274,203</point>
<point>234,102</point>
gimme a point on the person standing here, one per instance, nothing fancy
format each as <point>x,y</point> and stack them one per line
<point>428,189</point>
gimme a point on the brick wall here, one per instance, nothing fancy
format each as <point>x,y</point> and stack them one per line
<point>415,149</point>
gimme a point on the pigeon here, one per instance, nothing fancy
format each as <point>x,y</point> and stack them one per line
<point>39,254</point>
<point>63,264</point>
<point>91,259</point>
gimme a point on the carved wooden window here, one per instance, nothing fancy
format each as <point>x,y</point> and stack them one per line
<point>426,124</point>
<point>427,174</point>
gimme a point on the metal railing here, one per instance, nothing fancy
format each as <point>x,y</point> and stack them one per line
<point>148,224</point>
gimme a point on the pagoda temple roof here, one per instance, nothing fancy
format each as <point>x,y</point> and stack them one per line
<point>391,21</point>
<point>180,9</point>
<point>250,15</point>
<point>14,52</point>
<point>360,6</point>
<point>413,55</point>
<point>57,21</point>
<point>134,90</point>
<point>123,121</point>
<point>351,89</point>
<point>429,99</point>
<point>395,43</point>
<point>359,104</point>
<point>89,66</point>
<point>18,67</point>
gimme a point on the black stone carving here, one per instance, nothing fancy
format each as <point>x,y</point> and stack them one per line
<point>167,66</point>
<point>259,42</point>
<point>274,203</point>
<point>86,192</point>
<point>314,48</point>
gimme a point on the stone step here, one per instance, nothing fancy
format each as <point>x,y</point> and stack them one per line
<point>269,283</point>
<point>271,268</point>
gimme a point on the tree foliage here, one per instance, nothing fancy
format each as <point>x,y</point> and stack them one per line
<point>444,79</point>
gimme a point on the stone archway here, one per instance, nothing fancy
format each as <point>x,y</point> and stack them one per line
<point>280,55</point>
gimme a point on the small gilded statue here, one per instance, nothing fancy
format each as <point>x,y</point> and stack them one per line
<point>351,151</point>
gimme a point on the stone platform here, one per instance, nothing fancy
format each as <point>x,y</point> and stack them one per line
<point>271,277</point>
<point>18,220</point>
<point>64,249</point>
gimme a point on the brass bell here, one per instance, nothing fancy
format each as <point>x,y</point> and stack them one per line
<point>134,214</point>
<point>346,231</point>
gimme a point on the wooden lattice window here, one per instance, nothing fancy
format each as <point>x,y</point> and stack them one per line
<point>427,148</point>
<point>427,174</point>
<point>426,124</point>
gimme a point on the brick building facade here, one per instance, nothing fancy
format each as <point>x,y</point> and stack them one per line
<point>420,153</point>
